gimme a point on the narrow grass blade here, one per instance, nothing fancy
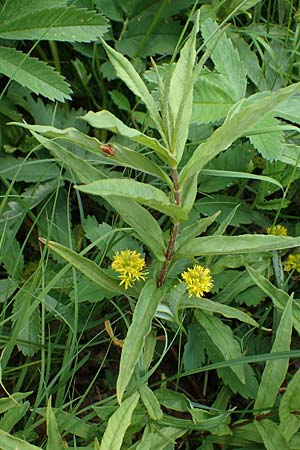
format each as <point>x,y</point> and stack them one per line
<point>118,424</point>
<point>275,371</point>
<point>141,325</point>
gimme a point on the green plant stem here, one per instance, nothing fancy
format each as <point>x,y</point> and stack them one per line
<point>173,236</point>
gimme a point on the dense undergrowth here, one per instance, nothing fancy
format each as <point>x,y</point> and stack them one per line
<point>149,215</point>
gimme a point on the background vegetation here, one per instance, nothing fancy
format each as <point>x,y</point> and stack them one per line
<point>169,128</point>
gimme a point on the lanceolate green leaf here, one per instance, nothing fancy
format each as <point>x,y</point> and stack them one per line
<point>90,269</point>
<point>275,371</point>
<point>214,307</point>
<point>236,125</point>
<point>56,24</point>
<point>129,75</point>
<point>222,338</point>
<point>54,436</point>
<point>10,442</point>
<point>33,74</point>
<point>122,155</point>
<point>118,424</point>
<point>245,243</point>
<point>140,326</point>
<point>290,402</point>
<point>105,119</point>
<point>135,190</point>
<point>181,92</point>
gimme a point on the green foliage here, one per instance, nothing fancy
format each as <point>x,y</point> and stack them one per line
<point>180,146</point>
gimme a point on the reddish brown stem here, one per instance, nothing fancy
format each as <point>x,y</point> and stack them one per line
<point>173,235</point>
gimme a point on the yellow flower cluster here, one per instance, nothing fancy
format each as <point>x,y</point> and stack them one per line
<point>198,280</point>
<point>292,263</point>
<point>277,230</point>
<point>130,265</point>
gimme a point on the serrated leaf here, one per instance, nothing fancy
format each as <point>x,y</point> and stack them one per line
<point>135,190</point>
<point>271,435</point>
<point>67,24</point>
<point>118,424</point>
<point>267,143</point>
<point>33,74</point>
<point>25,7</point>
<point>211,101</point>
<point>144,312</point>
<point>226,60</point>
<point>275,371</point>
<point>54,436</point>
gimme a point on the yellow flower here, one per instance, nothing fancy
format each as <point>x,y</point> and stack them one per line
<point>277,230</point>
<point>292,263</point>
<point>129,264</point>
<point>198,280</point>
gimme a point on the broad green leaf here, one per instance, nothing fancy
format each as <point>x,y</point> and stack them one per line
<point>135,190</point>
<point>214,307</point>
<point>33,74</point>
<point>9,442</point>
<point>90,269</point>
<point>246,243</point>
<point>289,110</point>
<point>118,424</point>
<point>105,119</point>
<point>211,100</point>
<point>131,78</point>
<point>13,416</point>
<point>226,60</point>
<point>140,326</point>
<point>289,403</point>
<point>57,24</point>
<point>290,154</point>
<point>54,436</point>
<point>275,371</point>
<point>271,435</point>
<point>236,125</point>
<point>278,296</point>
<point>6,403</point>
<point>25,7</point>
<point>222,338</point>
<point>173,400</point>
<point>150,402</point>
<point>159,439</point>
<point>180,93</point>
<point>28,170</point>
<point>268,144</point>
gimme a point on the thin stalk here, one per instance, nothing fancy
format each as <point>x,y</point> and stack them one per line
<point>173,236</point>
